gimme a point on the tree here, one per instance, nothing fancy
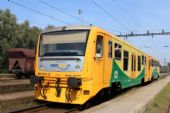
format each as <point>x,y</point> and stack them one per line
<point>7,34</point>
<point>14,35</point>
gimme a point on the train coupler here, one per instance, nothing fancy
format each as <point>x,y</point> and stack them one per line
<point>58,88</point>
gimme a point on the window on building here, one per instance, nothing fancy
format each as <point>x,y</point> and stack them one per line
<point>139,63</point>
<point>126,60</point>
<point>99,46</point>
<point>118,51</point>
<point>110,49</point>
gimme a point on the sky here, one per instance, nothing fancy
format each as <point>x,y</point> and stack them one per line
<point>115,16</point>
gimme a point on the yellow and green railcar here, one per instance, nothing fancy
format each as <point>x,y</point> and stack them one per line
<point>74,63</point>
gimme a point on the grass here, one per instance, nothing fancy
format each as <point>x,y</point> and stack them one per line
<point>161,102</point>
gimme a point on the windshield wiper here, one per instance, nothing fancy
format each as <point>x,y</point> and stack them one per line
<point>62,54</point>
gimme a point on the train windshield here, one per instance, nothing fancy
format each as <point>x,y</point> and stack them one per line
<point>63,43</point>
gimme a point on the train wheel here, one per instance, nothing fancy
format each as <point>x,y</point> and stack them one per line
<point>143,82</point>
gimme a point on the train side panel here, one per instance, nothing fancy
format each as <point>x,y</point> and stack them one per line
<point>127,69</point>
<point>108,63</point>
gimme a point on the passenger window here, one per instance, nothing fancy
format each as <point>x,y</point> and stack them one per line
<point>99,46</point>
<point>126,60</point>
<point>143,60</point>
<point>139,63</point>
<point>134,62</point>
<point>118,51</point>
<point>110,49</point>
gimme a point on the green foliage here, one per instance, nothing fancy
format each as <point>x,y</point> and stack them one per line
<point>14,35</point>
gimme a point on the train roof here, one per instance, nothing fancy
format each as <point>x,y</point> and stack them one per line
<point>68,28</point>
<point>93,27</point>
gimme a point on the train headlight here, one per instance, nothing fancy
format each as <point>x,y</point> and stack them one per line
<point>77,67</point>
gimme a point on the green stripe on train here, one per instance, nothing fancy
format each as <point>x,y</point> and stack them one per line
<point>119,76</point>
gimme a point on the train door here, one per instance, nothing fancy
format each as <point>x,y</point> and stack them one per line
<point>107,59</point>
<point>150,69</point>
<point>146,69</point>
<point>133,64</point>
<point>99,58</point>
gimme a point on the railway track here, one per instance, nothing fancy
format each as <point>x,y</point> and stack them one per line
<point>7,77</point>
<point>14,86</point>
<point>60,108</point>
<point>32,109</point>
<point>46,108</point>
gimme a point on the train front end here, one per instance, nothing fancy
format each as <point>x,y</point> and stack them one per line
<point>60,68</point>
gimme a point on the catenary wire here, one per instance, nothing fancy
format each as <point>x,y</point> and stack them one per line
<point>38,12</point>
<point>60,10</point>
<point>108,14</point>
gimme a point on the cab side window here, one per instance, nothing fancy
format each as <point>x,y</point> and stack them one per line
<point>99,46</point>
<point>118,51</point>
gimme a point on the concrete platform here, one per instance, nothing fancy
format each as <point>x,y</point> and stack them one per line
<point>15,86</point>
<point>134,101</point>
